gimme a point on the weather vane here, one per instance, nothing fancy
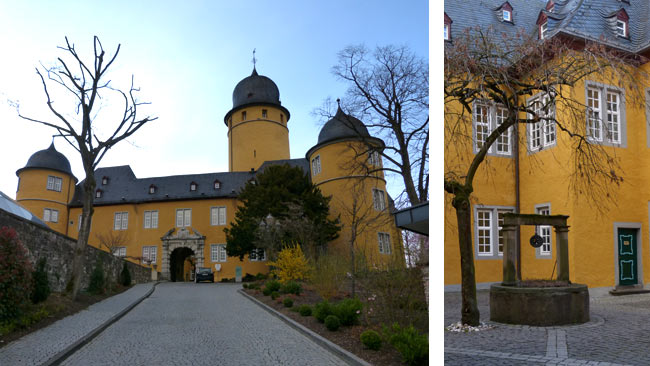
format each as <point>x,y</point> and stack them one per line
<point>254,59</point>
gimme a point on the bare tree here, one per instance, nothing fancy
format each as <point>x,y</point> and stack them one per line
<point>389,91</point>
<point>481,66</point>
<point>87,86</point>
<point>112,240</point>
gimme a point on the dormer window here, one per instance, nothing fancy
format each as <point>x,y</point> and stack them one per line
<point>104,181</point>
<point>622,24</point>
<point>506,12</point>
<point>152,189</point>
<point>447,33</point>
<point>98,193</point>
<point>550,6</point>
<point>543,30</point>
<point>542,24</point>
<point>217,184</point>
<point>507,15</point>
<point>193,186</point>
<point>621,28</point>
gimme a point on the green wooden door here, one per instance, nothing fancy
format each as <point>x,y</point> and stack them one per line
<point>627,257</point>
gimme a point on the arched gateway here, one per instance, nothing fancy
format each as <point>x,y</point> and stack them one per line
<point>183,238</point>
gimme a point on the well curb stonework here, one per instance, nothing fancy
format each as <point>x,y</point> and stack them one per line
<point>317,338</point>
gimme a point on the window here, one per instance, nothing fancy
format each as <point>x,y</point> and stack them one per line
<point>487,117</point>
<point>264,113</point>
<point>374,158</point>
<point>104,181</point>
<point>121,221</point>
<point>218,252</point>
<point>446,32</point>
<point>507,15</point>
<point>606,114</point>
<point>217,184</point>
<point>488,239</point>
<point>120,252</point>
<point>541,134</point>
<point>193,186</point>
<point>384,243</point>
<point>54,183</point>
<point>379,199</point>
<point>544,231</point>
<point>281,117</point>
<point>50,215</point>
<point>151,219</point>
<point>543,30</point>
<point>218,216</point>
<point>98,193</point>
<point>243,115</point>
<point>257,255</point>
<point>315,165</point>
<point>152,189</point>
<point>183,217</point>
<point>149,254</point>
<point>621,28</point>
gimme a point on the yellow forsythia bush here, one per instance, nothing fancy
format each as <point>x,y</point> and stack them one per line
<point>291,264</point>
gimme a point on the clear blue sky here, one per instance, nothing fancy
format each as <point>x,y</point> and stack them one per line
<point>187,56</point>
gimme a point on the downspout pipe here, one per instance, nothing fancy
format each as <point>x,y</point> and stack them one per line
<point>517,200</point>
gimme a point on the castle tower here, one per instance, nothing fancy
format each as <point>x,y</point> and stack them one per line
<point>345,164</point>
<point>46,186</point>
<point>257,124</point>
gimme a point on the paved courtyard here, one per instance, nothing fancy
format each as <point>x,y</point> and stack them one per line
<point>618,334</point>
<point>200,324</point>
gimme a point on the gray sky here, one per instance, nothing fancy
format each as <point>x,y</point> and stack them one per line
<point>186,57</point>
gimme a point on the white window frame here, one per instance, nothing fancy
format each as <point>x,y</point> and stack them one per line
<point>543,29</point>
<point>494,116</point>
<point>542,134</point>
<point>193,187</point>
<point>54,183</point>
<point>545,251</point>
<point>150,253</point>
<point>121,221</point>
<point>185,218</point>
<point>253,256</point>
<point>98,193</point>
<point>605,114</point>
<point>217,184</point>
<point>315,165</point>
<point>151,219</point>
<point>621,28</point>
<point>383,240</point>
<point>218,253</point>
<point>120,252</point>
<point>446,32</point>
<point>492,246</point>
<point>218,215</point>
<point>507,15</point>
<point>379,199</point>
<point>50,215</point>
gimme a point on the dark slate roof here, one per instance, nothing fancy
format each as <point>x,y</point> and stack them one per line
<point>300,162</point>
<point>256,89</point>
<point>9,205</point>
<point>342,126</point>
<point>48,159</point>
<point>586,19</point>
<point>124,187</point>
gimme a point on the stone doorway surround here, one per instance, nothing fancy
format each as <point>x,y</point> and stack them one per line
<point>179,238</point>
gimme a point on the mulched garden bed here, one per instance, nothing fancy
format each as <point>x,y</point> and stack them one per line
<point>347,337</point>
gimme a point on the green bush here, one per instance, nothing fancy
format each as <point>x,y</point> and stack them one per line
<point>273,285</point>
<point>274,295</point>
<point>322,310</point>
<point>261,276</point>
<point>348,311</point>
<point>304,310</point>
<point>125,276</point>
<point>15,276</point>
<point>253,285</point>
<point>371,339</point>
<point>291,287</point>
<point>97,281</point>
<point>248,278</point>
<point>287,302</point>
<point>413,346</point>
<point>245,285</point>
<point>332,322</point>
<point>41,285</point>
<point>266,291</point>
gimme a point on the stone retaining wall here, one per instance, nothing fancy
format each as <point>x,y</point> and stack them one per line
<point>58,249</point>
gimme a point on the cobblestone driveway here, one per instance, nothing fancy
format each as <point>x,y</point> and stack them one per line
<point>200,324</point>
<point>618,334</point>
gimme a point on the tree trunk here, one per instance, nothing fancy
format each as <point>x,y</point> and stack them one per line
<point>469,309</point>
<point>84,233</point>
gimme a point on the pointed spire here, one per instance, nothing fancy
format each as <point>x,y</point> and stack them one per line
<point>254,64</point>
<point>52,145</point>
<point>339,111</point>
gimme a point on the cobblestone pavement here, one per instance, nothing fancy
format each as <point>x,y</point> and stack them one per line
<point>196,324</point>
<point>617,334</point>
<point>38,347</point>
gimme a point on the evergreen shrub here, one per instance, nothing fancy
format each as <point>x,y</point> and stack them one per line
<point>273,285</point>
<point>97,280</point>
<point>322,310</point>
<point>332,323</point>
<point>413,346</point>
<point>274,295</point>
<point>348,311</point>
<point>304,310</point>
<point>371,339</point>
<point>125,276</point>
<point>288,302</point>
<point>291,287</point>
<point>266,291</point>
<point>15,275</point>
<point>41,285</point>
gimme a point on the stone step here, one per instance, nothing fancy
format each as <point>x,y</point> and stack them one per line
<point>619,291</point>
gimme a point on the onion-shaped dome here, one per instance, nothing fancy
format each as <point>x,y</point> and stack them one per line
<point>342,126</point>
<point>48,159</point>
<point>255,90</point>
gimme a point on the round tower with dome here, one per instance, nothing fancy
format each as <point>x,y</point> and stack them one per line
<point>45,187</point>
<point>257,124</point>
<point>346,165</point>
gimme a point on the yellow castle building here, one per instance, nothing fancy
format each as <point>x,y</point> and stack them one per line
<point>167,220</point>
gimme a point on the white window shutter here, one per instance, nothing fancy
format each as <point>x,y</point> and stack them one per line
<point>188,217</point>
<point>179,218</point>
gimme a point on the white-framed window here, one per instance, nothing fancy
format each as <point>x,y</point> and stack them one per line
<point>218,253</point>
<point>315,165</point>
<point>50,215</point>
<point>120,252</point>
<point>149,254</point>
<point>541,134</point>
<point>183,217</point>
<point>621,28</point>
<point>98,193</point>
<point>384,243</point>
<point>151,219</point>
<point>264,113</point>
<point>606,114</point>
<point>193,186</point>
<point>379,199</point>
<point>218,215</point>
<point>104,181</point>
<point>487,117</point>
<point>544,231</point>
<point>217,184</point>
<point>374,158</point>
<point>507,15</point>
<point>446,32</point>
<point>488,239</point>
<point>543,28</point>
<point>257,255</point>
<point>152,189</point>
<point>121,221</point>
<point>54,183</point>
